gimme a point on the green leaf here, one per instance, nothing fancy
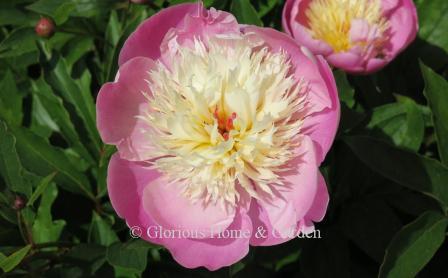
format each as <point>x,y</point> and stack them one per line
<point>58,10</point>
<point>10,262</point>
<point>10,166</point>
<point>40,188</point>
<point>113,34</point>
<point>54,107</point>
<point>80,97</point>
<point>403,167</point>
<point>107,152</point>
<point>265,6</point>
<point>413,135</point>
<point>433,21</point>
<point>76,48</point>
<point>19,64</point>
<point>44,228</point>
<point>41,122</point>
<point>88,256</point>
<point>131,255</point>
<point>346,92</point>
<point>217,4</point>
<point>90,8</point>
<point>18,42</point>
<point>10,100</point>
<point>436,92</point>
<point>411,202</point>
<point>44,159</point>
<point>112,67</point>
<point>14,16</point>
<point>414,246</point>
<point>61,10</point>
<point>403,122</point>
<point>245,13</point>
<point>101,231</point>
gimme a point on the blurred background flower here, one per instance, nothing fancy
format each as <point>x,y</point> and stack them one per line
<point>358,36</point>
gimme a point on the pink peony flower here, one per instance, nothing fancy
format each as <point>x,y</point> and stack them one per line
<point>220,130</point>
<point>358,36</point>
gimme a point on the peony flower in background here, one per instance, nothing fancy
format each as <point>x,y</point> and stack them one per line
<point>219,127</point>
<point>358,36</point>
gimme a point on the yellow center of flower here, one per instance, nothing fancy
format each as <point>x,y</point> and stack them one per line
<point>224,117</point>
<point>331,20</point>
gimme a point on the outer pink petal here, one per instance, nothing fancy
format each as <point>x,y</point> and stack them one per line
<point>280,215</point>
<point>320,203</point>
<point>375,64</point>
<point>294,23</point>
<point>302,180</point>
<point>317,211</point>
<point>214,253</point>
<point>171,209</point>
<point>388,5</point>
<point>117,106</point>
<point>404,26</point>
<point>200,26</point>
<point>146,40</point>
<point>347,61</point>
<point>126,181</point>
<point>126,184</point>
<point>303,37</point>
<point>286,16</point>
<point>323,125</point>
<point>264,232</point>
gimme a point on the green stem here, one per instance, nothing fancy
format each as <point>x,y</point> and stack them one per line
<point>24,229</point>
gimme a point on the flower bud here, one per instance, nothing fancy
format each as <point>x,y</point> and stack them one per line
<point>45,27</point>
<point>19,203</point>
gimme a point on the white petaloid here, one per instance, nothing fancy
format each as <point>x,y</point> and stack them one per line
<point>224,116</point>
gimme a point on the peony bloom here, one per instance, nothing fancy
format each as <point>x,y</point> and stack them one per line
<point>220,128</point>
<point>358,36</point>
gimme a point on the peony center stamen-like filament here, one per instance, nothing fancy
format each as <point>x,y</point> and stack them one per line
<point>224,125</point>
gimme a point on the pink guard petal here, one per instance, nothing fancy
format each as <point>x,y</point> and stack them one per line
<point>403,26</point>
<point>323,125</point>
<point>146,40</point>
<point>217,252</point>
<point>118,105</point>
<point>280,216</point>
<point>126,181</point>
<point>320,203</point>
<point>170,208</point>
